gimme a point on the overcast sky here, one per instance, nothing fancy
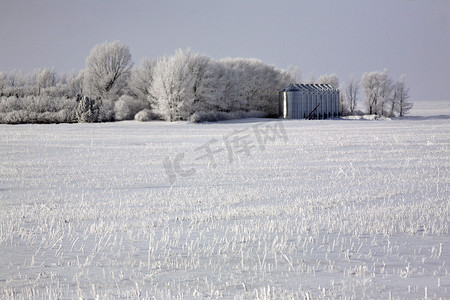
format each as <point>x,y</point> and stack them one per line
<point>343,37</point>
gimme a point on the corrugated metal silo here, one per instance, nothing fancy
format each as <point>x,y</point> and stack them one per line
<point>316,101</point>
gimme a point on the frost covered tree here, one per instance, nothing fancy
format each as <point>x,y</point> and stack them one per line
<point>231,76</point>
<point>167,87</point>
<point>252,85</point>
<point>378,89</point>
<point>47,78</point>
<point>331,79</point>
<point>107,71</point>
<point>344,110</point>
<point>351,94</point>
<point>141,80</point>
<point>3,83</point>
<point>182,84</point>
<point>261,86</point>
<point>294,73</point>
<point>75,82</point>
<point>311,79</point>
<point>16,82</point>
<point>87,110</point>
<point>13,78</point>
<point>401,96</point>
<point>46,82</point>
<point>370,82</point>
<point>385,92</point>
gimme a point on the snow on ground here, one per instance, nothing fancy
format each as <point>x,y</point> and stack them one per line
<point>431,109</point>
<point>246,209</point>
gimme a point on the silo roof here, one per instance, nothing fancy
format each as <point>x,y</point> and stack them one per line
<point>309,87</point>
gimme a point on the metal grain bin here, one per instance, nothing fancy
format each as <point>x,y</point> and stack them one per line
<point>313,101</point>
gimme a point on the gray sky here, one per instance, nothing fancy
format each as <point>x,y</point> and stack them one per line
<point>343,37</point>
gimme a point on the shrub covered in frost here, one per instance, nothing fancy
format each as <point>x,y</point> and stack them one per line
<point>146,115</point>
<point>30,109</point>
<point>127,107</point>
<point>106,110</point>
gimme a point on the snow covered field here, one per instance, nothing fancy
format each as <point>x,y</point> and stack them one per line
<point>247,209</point>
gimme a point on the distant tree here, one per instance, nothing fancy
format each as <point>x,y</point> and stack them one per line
<point>254,85</point>
<point>141,80</point>
<point>251,85</point>
<point>311,79</point>
<point>330,79</point>
<point>378,88</point>
<point>168,86</point>
<point>47,78</point>
<point>16,83</point>
<point>181,84</point>
<point>75,82</point>
<point>108,67</point>
<point>45,82</point>
<point>401,96</point>
<point>371,84</point>
<point>295,73</point>
<point>351,94</point>
<point>231,76</point>
<point>3,83</point>
<point>260,89</point>
<point>344,110</point>
<point>62,78</point>
<point>385,92</point>
<point>12,78</point>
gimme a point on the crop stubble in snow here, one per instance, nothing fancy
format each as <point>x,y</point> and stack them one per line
<point>338,209</point>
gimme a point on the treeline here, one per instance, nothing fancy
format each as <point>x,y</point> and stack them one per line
<point>383,96</point>
<point>183,86</point>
